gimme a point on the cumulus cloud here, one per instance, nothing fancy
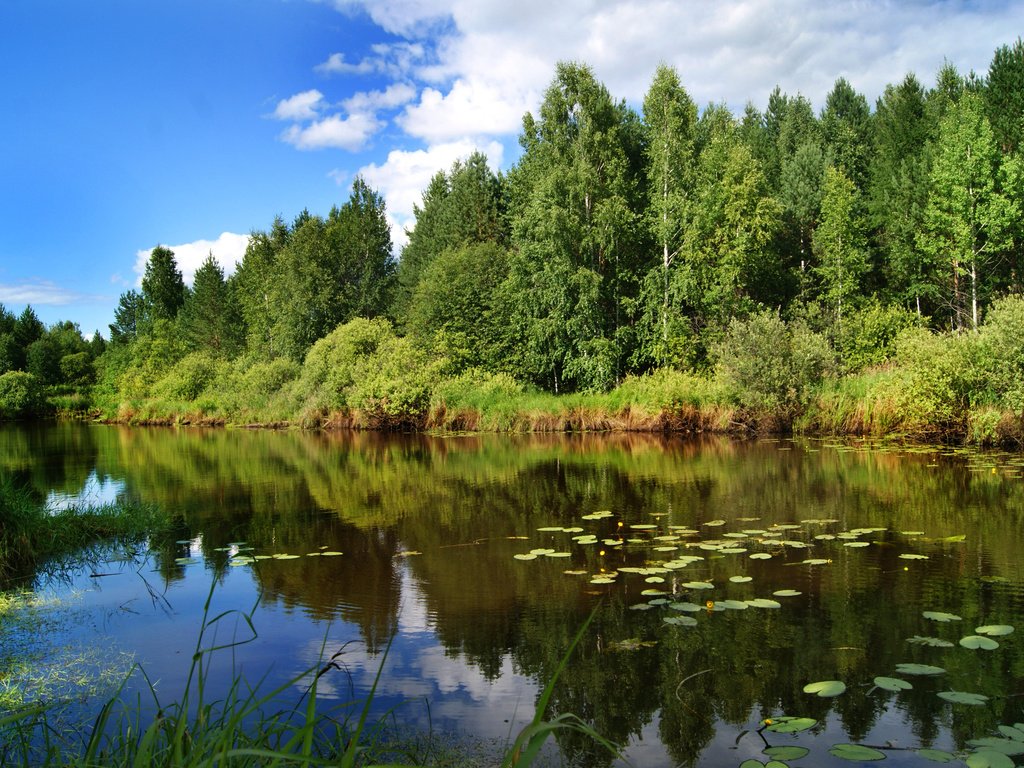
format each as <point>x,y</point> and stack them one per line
<point>351,132</point>
<point>227,250</point>
<point>470,108</point>
<point>393,96</point>
<point>395,60</point>
<point>405,174</point>
<point>301,106</point>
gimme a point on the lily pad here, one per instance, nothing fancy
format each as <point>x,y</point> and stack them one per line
<point>994,630</point>
<point>760,556</point>
<point>787,724</point>
<point>816,561</point>
<point>187,560</point>
<point>1015,732</point>
<point>740,579</point>
<point>856,753</point>
<point>857,544</point>
<point>826,688</point>
<point>940,616</point>
<point>330,554</point>
<point>732,605</point>
<point>641,607</point>
<point>919,669</point>
<point>975,642</point>
<point>893,684</point>
<point>932,642</point>
<point>786,752</point>
<point>526,556</point>
<point>936,755</point>
<point>912,556</point>
<point>985,758</point>
<point>996,744</point>
<point>963,697</point>
<point>688,607</point>
<point>752,763</point>
<point>786,593</point>
<point>698,585</point>
<point>681,621</point>
<point>763,602</point>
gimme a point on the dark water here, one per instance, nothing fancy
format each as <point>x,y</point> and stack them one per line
<point>429,527</point>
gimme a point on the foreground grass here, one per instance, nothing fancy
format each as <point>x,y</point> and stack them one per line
<point>248,727</point>
<point>32,534</point>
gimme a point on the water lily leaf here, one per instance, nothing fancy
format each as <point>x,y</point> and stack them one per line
<point>643,526</point>
<point>826,688</point>
<point>786,593</point>
<point>912,556</point>
<point>763,602</point>
<point>786,753</point>
<point>856,544</point>
<point>936,755</point>
<point>940,616</point>
<point>287,557</point>
<point>641,607</point>
<point>666,549</point>
<point>698,585</point>
<point>919,669</point>
<point>975,642</point>
<point>688,607</point>
<point>994,630</point>
<point>962,697</point>
<point>955,539</point>
<point>933,642</point>
<point>681,621</point>
<point>787,724</point>
<point>187,560</point>
<point>856,753</point>
<point>988,759</point>
<point>715,523</point>
<point>815,561</point>
<point>732,550</point>
<point>760,556</point>
<point>551,529</point>
<point>527,556</point>
<point>996,744</point>
<point>658,601</point>
<point>732,605</point>
<point>654,580</point>
<point>740,579</point>
<point>653,592</point>
<point>893,684</point>
<point>332,553</point>
<point>558,554</point>
<point>1012,731</point>
<point>602,580</point>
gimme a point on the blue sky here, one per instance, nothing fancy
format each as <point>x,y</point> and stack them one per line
<point>132,123</point>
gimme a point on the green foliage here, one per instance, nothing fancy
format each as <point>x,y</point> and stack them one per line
<point>771,367</point>
<point>163,288</point>
<point>21,395</point>
<point>334,362</point>
<point>868,335</point>
<point>210,321</point>
<point>393,385</point>
<point>77,369</point>
<point>1001,353</point>
<point>840,245</point>
<point>189,377</point>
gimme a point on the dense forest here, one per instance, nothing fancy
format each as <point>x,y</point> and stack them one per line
<point>849,269</point>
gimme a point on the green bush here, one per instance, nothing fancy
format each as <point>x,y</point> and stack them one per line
<point>394,383</point>
<point>77,368</point>
<point>771,367</point>
<point>1001,353</point>
<point>869,335</point>
<point>21,395</point>
<point>189,377</point>
<point>332,363</point>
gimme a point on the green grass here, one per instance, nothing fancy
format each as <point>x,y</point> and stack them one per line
<point>32,534</point>
<point>247,726</point>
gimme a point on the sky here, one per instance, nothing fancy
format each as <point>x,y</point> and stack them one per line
<point>190,123</point>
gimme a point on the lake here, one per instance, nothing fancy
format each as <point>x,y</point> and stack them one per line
<point>723,576</point>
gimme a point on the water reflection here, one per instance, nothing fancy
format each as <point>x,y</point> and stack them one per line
<point>429,527</point>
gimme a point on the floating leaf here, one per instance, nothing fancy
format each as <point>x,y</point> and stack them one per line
<point>962,697</point>
<point>826,688</point>
<point>760,556</point>
<point>551,529</point>
<point>988,759</point>
<point>541,551</point>
<point>715,523</point>
<point>527,556</point>
<point>763,602</point>
<point>856,753</point>
<point>815,561</point>
<point>955,539</point>
<point>558,554</point>
<point>641,607</point>
<point>1013,732</point>
<point>653,592</point>
<point>698,585</point>
<point>689,607</point>
<point>996,744</point>
<point>187,560</point>
<point>732,605</point>
<point>940,616</point>
<point>893,684</point>
<point>643,526</point>
<point>919,669</point>
<point>786,593</point>
<point>936,755</point>
<point>287,557</point>
<point>913,556</point>
<point>786,753</point>
<point>658,601</point>
<point>787,724</point>
<point>933,642</point>
<point>732,550</point>
<point>994,630</point>
<point>740,579</point>
<point>681,621</point>
<point>666,549</point>
<point>976,642</point>
<point>856,544</point>
<point>330,554</point>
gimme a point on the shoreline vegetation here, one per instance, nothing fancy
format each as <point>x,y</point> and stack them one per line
<point>854,270</point>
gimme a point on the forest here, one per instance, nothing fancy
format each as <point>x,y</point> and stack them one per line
<point>851,269</point>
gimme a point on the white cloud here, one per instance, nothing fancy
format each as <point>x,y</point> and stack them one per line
<point>228,250</point>
<point>393,96</point>
<point>395,60</point>
<point>334,131</point>
<point>336,64</point>
<point>470,108</point>
<point>405,174</point>
<point>301,106</point>
<point>40,292</point>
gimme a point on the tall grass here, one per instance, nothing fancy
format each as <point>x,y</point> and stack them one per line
<point>246,726</point>
<point>31,533</point>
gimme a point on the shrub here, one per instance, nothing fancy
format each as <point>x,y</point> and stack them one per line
<point>331,364</point>
<point>1001,353</point>
<point>869,335</point>
<point>770,366</point>
<point>394,383</point>
<point>187,378</point>
<point>21,395</point>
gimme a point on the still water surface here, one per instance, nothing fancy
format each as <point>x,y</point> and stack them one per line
<point>861,541</point>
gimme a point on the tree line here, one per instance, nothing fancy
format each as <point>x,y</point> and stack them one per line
<point>625,241</point>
